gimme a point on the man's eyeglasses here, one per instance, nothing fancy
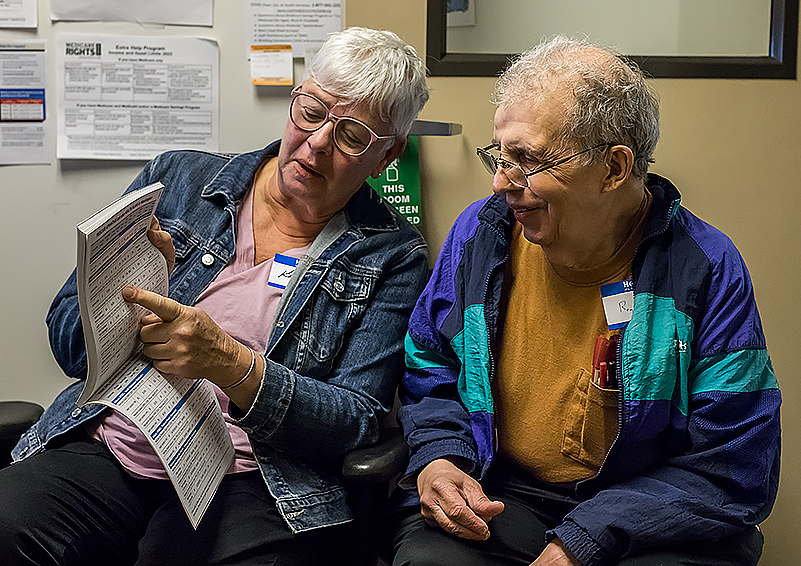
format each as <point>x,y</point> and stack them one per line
<point>351,136</point>
<point>513,171</point>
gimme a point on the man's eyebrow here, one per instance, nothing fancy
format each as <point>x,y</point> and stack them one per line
<point>522,153</point>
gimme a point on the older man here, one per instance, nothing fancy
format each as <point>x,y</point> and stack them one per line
<point>587,380</point>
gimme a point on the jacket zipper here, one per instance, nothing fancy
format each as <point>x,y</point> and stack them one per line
<point>621,397</point>
<point>490,358</point>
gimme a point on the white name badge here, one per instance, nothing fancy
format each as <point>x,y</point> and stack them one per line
<point>618,300</point>
<point>281,271</point>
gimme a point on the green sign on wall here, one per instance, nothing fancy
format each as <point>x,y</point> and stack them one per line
<point>399,184</point>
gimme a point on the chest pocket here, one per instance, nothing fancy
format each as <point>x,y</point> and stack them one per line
<point>197,260</point>
<point>181,239</point>
<point>341,301</point>
<point>187,241</point>
<point>591,422</point>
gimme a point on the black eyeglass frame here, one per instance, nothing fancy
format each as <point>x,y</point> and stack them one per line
<point>492,163</point>
<point>296,92</point>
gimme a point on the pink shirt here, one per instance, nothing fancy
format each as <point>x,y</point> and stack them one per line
<point>244,320</point>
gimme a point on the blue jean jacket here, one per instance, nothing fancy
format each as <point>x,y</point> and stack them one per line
<point>335,354</point>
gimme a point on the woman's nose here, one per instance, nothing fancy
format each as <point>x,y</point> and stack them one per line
<point>322,139</point>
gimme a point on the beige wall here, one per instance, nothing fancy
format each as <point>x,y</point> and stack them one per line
<point>733,147</point>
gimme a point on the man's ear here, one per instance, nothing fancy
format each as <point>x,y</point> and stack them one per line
<point>392,154</point>
<point>620,162</point>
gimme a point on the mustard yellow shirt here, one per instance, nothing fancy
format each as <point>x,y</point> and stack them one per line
<point>551,418</point>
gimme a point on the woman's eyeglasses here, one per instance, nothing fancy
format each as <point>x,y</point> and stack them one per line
<point>350,135</point>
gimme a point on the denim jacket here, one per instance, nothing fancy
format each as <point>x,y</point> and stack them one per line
<point>335,354</point>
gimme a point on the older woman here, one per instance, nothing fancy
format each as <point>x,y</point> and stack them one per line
<point>303,374</point>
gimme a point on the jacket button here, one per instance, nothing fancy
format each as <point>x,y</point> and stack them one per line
<point>339,286</point>
<point>76,413</point>
<point>207,260</point>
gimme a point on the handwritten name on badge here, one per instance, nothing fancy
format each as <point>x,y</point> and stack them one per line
<point>618,301</point>
<point>281,271</point>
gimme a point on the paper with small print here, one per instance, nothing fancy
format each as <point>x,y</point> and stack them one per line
<point>133,97</point>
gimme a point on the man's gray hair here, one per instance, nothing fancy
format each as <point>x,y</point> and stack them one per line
<point>362,65</point>
<point>612,101</point>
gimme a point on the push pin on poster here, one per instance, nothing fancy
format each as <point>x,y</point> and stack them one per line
<point>271,65</point>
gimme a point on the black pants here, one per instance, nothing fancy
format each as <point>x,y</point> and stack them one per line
<point>75,505</point>
<point>517,535</point>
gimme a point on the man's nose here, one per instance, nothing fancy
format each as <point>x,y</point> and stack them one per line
<point>501,183</point>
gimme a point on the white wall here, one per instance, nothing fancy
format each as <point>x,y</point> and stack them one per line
<point>43,203</point>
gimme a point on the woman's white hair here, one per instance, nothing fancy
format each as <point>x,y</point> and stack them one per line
<point>373,67</point>
<point>612,103</point>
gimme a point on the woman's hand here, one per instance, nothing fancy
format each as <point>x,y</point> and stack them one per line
<point>163,241</point>
<point>186,342</point>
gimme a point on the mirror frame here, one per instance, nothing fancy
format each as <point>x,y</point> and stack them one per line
<point>779,64</point>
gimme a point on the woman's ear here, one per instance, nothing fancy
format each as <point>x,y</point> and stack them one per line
<point>620,162</point>
<point>398,145</point>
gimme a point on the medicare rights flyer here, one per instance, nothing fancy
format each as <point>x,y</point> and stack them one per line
<point>133,97</point>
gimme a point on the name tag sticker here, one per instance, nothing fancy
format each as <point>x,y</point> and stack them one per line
<point>618,300</point>
<point>281,271</point>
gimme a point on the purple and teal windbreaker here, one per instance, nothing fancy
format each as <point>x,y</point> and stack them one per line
<point>696,458</point>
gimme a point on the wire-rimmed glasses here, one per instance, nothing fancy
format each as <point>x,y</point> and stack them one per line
<point>513,171</point>
<point>350,135</point>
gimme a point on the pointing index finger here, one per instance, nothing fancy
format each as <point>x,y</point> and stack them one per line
<point>163,307</point>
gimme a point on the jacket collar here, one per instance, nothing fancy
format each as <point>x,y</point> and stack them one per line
<point>236,176</point>
<point>497,215</point>
<point>666,200</point>
<point>366,211</point>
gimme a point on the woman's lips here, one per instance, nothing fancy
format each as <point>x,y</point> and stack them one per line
<point>308,169</point>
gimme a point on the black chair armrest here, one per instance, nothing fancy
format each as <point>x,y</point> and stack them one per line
<point>379,463</point>
<point>370,473</point>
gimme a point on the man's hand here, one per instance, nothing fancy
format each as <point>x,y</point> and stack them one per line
<point>163,241</point>
<point>555,554</point>
<point>455,501</point>
<point>185,341</point>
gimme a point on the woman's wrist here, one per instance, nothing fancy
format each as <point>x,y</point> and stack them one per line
<point>245,377</point>
<point>244,394</point>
